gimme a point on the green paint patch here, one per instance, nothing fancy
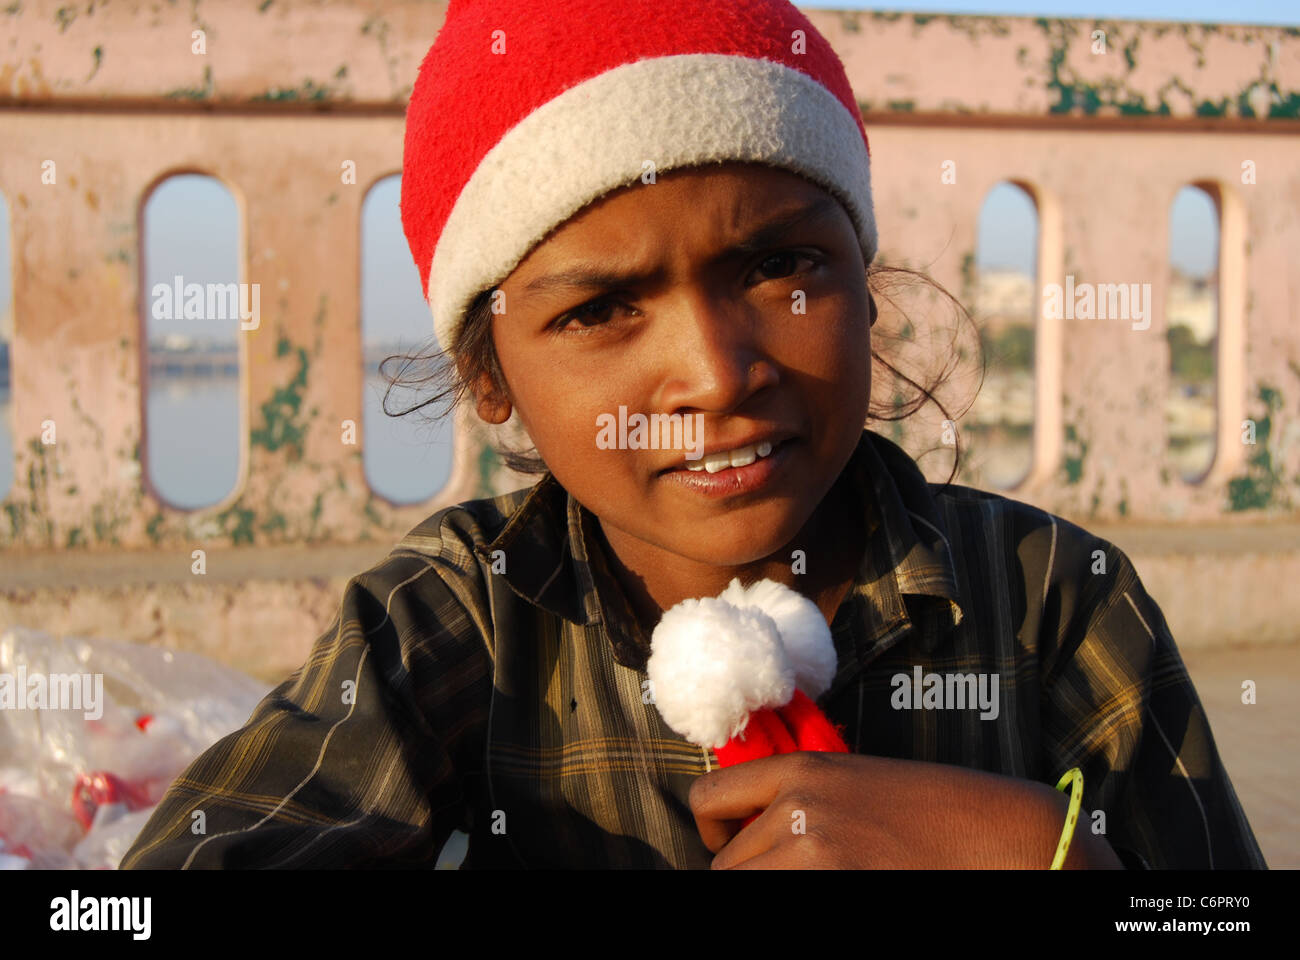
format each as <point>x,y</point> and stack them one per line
<point>1284,107</point>
<point>193,93</point>
<point>896,425</point>
<point>314,516</point>
<point>37,475</point>
<point>281,422</point>
<point>76,538</point>
<point>1261,485</point>
<point>1130,52</point>
<point>308,91</point>
<point>105,523</point>
<point>1139,108</point>
<point>968,276</point>
<point>276,523</point>
<point>24,514</point>
<point>264,6</point>
<point>487,465</point>
<point>236,522</point>
<point>1073,95</point>
<point>1076,451</point>
<point>901,106</point>
<point>64,17</point>
<point>17,513</point>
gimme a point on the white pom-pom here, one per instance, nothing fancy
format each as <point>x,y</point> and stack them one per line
<point>712,664</point>
<point>804,633</point>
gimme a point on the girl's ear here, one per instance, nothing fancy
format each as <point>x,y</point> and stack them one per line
<point>492,406</point>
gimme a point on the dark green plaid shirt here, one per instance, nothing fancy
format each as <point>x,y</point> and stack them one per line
<point>513,705</point>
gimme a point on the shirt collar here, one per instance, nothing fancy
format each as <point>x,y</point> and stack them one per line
<point>555,557</point>
<point>909,550</point>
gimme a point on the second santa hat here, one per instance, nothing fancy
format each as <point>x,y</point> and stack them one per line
<point>525,111</point>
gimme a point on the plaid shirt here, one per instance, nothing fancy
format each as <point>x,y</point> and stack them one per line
<point>512,704</point>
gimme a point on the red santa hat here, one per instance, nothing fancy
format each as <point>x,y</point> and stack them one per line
<point>740,672</point>
<point>525,111</point>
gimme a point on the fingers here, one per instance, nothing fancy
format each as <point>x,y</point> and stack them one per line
<point>717,834</point>
<point>723,800</point>
<point>750,842</point>
<point>734,793</point>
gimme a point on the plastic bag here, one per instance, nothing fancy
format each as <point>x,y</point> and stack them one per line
<point>92,732</point>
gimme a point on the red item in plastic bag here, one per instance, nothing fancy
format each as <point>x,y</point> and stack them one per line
<point>94,790</point>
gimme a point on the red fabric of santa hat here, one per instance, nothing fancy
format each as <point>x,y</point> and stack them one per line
<point>525,111</point>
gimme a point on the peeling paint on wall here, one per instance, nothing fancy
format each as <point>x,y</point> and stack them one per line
<point>1074,454</point>
<point>1262,486</point>
<point>194,93</point>
<point>282,425</point>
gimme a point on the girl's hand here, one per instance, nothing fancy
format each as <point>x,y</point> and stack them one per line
<point>849,811</point>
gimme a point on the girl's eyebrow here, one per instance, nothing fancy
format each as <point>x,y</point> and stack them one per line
<point>758,240</point>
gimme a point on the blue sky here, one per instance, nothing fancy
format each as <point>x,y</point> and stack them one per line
<point>1282,12</point>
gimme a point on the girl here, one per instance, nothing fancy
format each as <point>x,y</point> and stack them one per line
<point>665,209</point>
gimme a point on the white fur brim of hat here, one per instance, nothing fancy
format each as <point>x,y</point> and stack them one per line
<point>715,660</point>
<point>608,131</point>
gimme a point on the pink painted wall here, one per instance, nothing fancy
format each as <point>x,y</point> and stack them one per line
<point>286,92</point>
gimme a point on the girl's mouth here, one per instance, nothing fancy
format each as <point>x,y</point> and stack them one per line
<point>734,481</point>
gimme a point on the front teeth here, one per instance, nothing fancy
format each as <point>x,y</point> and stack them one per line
<point>740,457</point>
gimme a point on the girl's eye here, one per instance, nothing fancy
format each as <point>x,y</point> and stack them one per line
<point>592,309</point>
<point>594,313</point>
<point>778,266</point>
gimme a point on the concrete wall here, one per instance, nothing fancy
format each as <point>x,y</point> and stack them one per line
<point>285,92</point>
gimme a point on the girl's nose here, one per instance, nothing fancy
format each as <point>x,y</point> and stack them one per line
<point>713,358</point>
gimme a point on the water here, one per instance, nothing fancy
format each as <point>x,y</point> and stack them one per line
<point>193,454</point>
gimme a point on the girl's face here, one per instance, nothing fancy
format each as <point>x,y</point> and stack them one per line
<point>734,292</point>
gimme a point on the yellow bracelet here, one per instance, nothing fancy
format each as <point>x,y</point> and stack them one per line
<point>1071,815</point>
